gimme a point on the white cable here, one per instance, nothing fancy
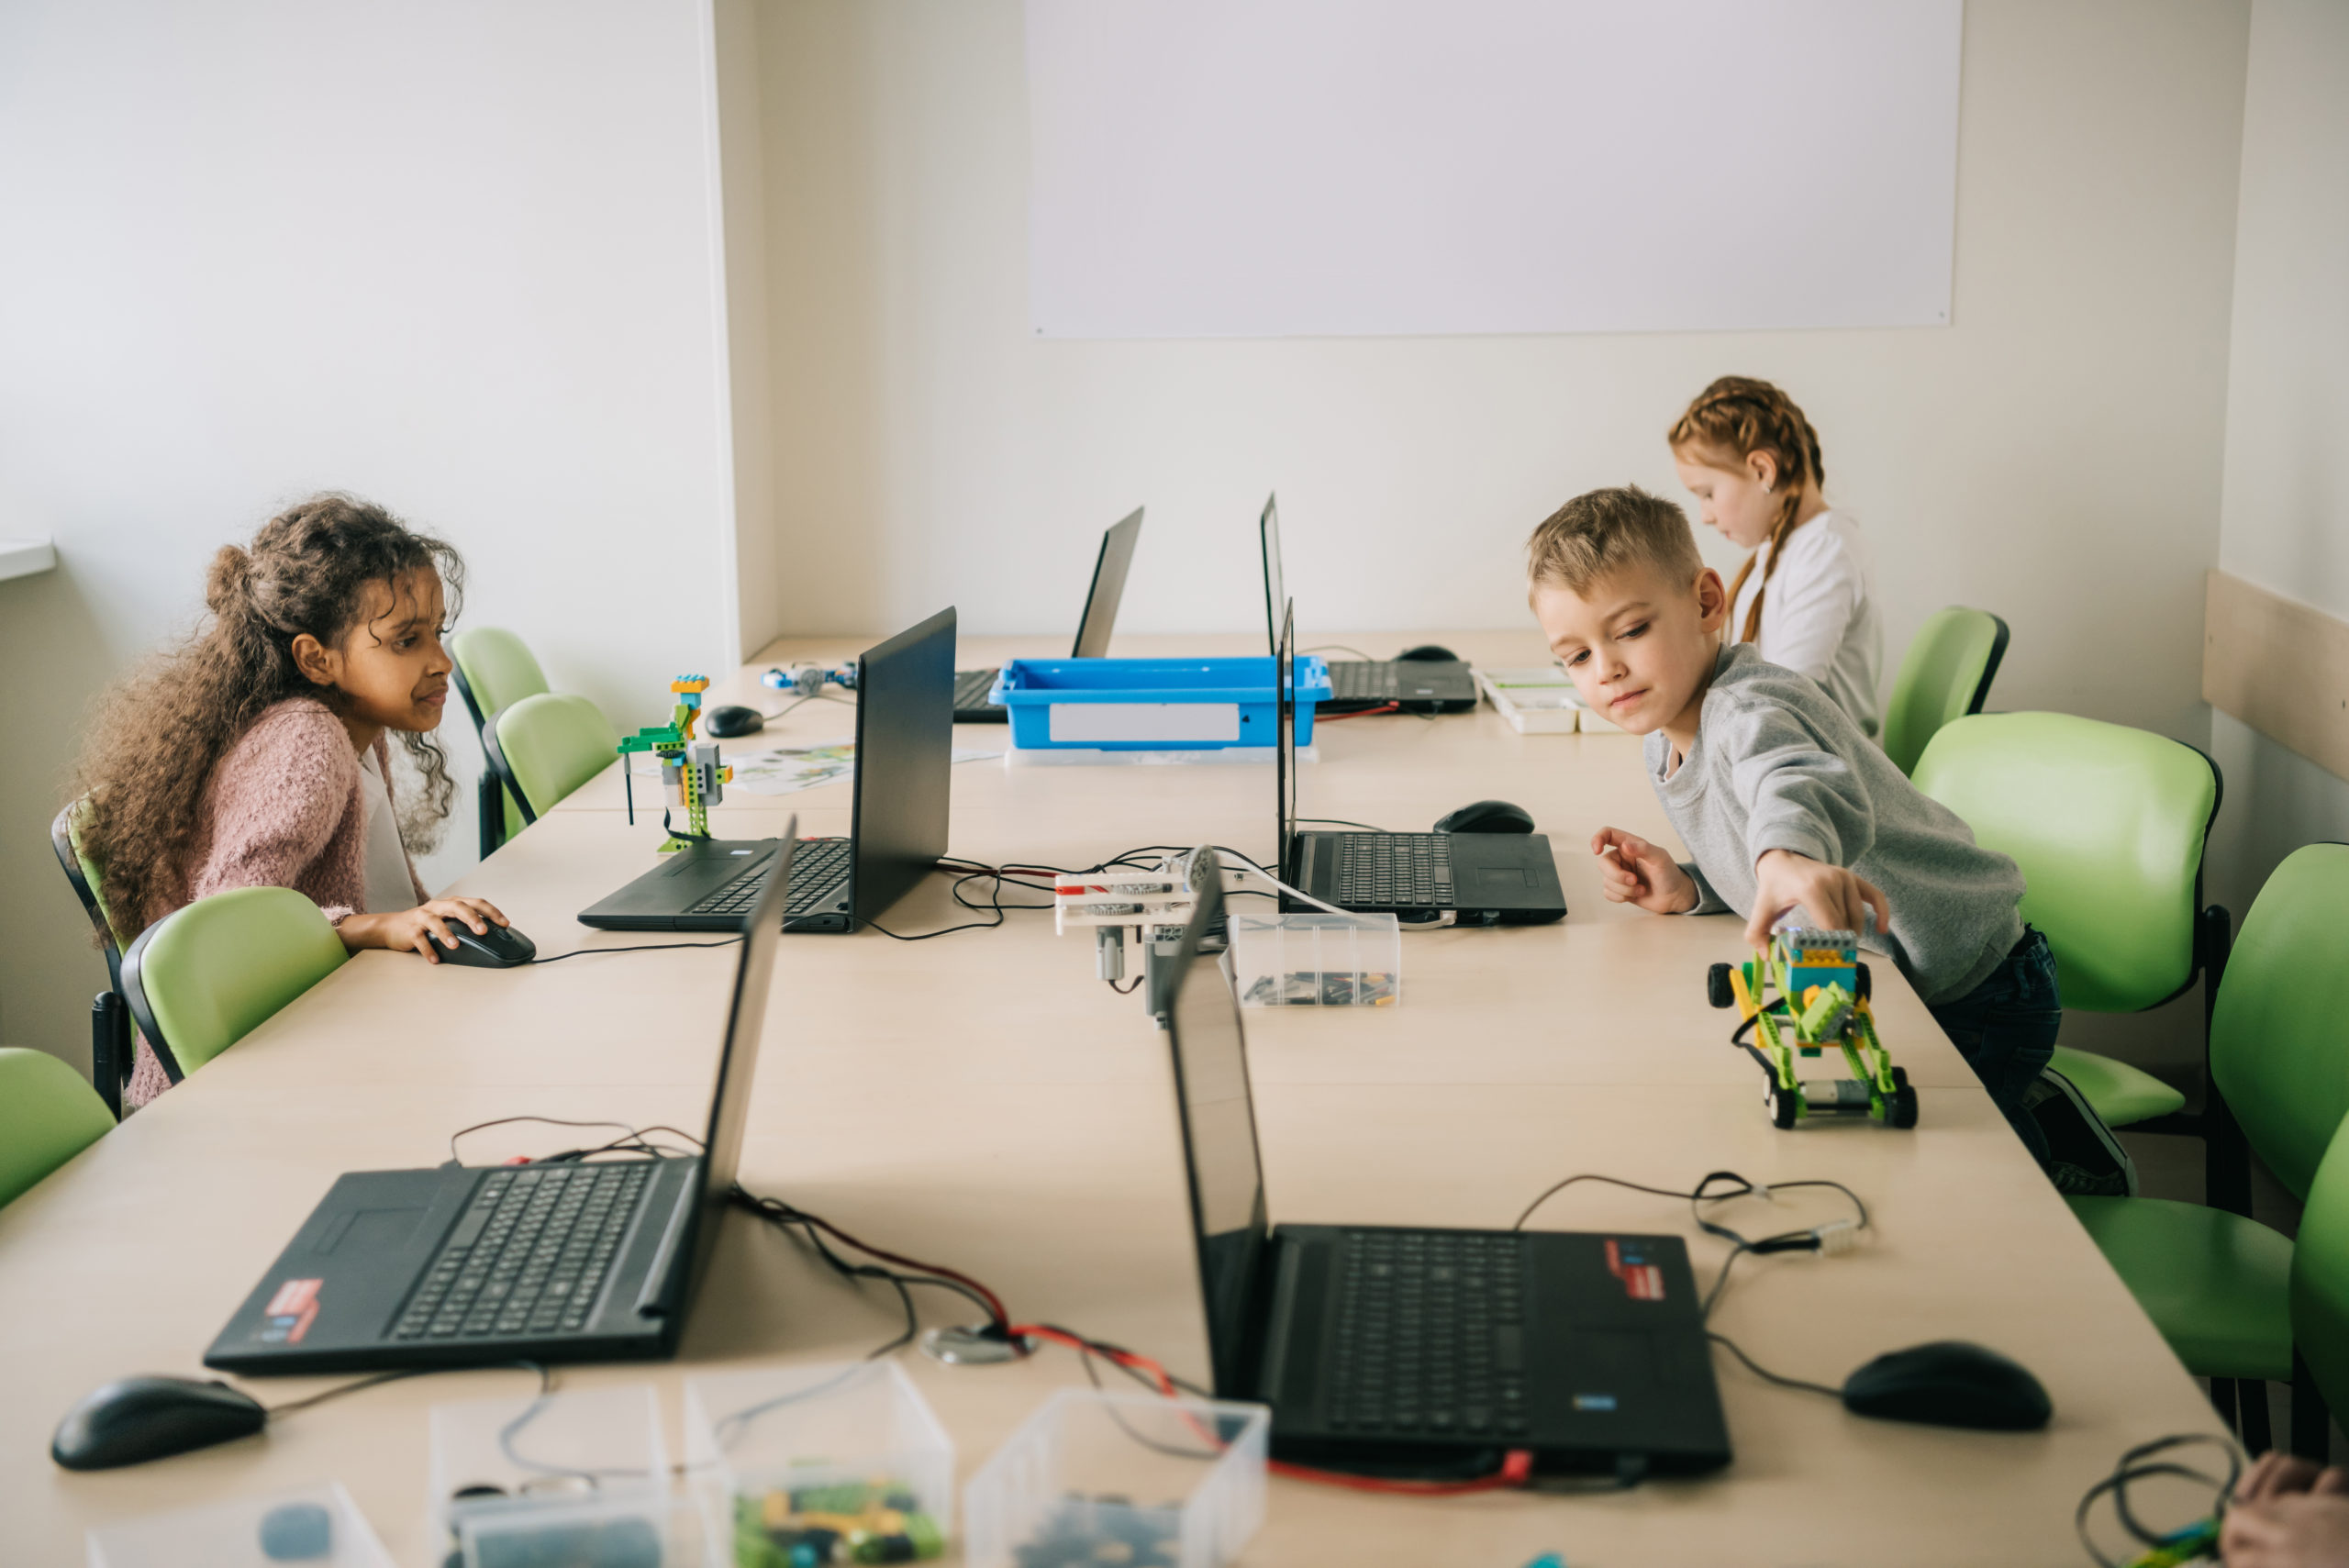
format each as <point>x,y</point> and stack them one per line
<point>1250,865</point>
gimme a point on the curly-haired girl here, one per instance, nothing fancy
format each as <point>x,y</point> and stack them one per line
<point>1752,462</point>
<point>254,754</point>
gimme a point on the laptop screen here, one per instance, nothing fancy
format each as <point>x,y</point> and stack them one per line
<point>1268,530</point>
<point>1108,587</point>
<point>738,1059</point>
<point>905,762</point>
<point>1201,1018</point>
<point>1285,736</point>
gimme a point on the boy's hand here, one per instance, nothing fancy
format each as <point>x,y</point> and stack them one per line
<point>2279,1475</point>
<point>1834,898</point>
<point>2301,1529</point>
<point>423,929</point>
<point>1638,873</point>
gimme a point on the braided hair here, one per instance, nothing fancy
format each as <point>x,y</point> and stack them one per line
<point>144,769</point>
<point>1731,420</point>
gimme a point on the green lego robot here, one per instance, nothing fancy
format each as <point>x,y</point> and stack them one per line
<point>1822,1000</point>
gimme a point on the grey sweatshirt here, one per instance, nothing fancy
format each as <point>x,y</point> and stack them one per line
<point>1778,766</point>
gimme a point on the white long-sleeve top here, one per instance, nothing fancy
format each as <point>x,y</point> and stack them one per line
<point>1819,616</point>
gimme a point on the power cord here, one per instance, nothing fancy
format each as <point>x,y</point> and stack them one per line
<point>638,947</point>
<point>2164,1548</point>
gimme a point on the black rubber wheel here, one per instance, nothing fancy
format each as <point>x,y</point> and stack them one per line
<point>1717,990</point>
<point>1867,986</point>
<point>1782,1108</point>
<point>1904,1106</point>
<point>1900,1077</point>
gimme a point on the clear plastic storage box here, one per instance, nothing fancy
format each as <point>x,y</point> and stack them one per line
<point>313,1526</point>
<point>813,1464</point>
<point>1316,960</point>
<point>577,1476</point>
<point>1130,1479</point>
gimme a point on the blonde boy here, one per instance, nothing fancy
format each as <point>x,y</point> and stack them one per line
<point>1785,805</point>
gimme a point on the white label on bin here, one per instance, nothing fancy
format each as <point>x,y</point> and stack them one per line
<point>1078,723</point>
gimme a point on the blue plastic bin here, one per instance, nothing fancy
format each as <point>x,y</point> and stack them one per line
<point>1152,705</point>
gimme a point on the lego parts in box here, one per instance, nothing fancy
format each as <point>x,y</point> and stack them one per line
<point>549,1480</point>
<point>317,1527</point>
<point>1101,1480</point>
<point>794,1467</point>
<point>1823,1000</point>
<point>1315,961</point>
<point>1153,703</point>
<point>1540,700</point>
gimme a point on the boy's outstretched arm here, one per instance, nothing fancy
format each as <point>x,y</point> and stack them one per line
<point>1836,898</point>
<point>1632,870</point>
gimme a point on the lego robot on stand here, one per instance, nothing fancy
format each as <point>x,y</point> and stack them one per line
<point>1822,1001</point>
<point>691,775</point>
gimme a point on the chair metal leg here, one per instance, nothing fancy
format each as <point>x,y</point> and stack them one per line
<point>110,1049</point>
<point>489,812</point>
<point>2312,1422</point>
<point>2222,1400</point>
<point>2226,1154</point>
<point>2255,1430</point>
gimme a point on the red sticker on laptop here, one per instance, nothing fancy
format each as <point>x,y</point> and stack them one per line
<point>290,1311</point>
<point>1642,1280</point>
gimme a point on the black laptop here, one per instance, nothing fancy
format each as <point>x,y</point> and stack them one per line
<point>462,1264</point>
<point>1418,685</point>
<point>905,767</point>
<point>1417,1350</point>
<point>1093,629</point>
<point>1483,879</point>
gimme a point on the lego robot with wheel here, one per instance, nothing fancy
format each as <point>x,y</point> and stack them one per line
<point>1820,1000</point>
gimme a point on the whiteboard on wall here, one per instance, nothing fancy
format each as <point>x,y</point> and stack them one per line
<point>1285,168</point>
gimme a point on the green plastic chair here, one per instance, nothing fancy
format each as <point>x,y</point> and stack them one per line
<point>493,668</point>
<point>111,1042</point>
<point>546,746</point>
<point>2224,1290</point>
<point>202,979</point>
<point>1945,674</point>
<point>2109,825</point>
<point>46,1116</point>
<point>2321,1296</point>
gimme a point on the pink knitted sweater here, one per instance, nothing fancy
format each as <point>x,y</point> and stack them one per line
<point>284,809</point>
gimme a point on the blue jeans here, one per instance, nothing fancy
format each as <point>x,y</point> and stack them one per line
<point>2005,1028</point>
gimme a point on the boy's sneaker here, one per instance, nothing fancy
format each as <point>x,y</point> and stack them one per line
<point>2085,1159</point>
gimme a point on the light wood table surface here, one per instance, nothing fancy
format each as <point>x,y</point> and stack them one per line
<point>981,1100</point>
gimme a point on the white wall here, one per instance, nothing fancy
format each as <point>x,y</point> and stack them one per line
<point>2284,519</point>
<point>2053,455</point>
<point>460,258</point>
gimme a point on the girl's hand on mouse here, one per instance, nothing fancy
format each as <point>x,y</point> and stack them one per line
<point>1632,870</point>
<point>1835,899</point>
<point>423,929</point>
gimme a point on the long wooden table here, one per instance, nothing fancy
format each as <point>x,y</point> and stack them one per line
<point>982,1100</point>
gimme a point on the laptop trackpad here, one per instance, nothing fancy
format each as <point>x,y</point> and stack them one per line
<point>1509,878</point>
<point>371,1230</point>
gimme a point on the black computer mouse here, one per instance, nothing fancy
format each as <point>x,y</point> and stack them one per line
<point>138,1418</point>
<point>724,723</point>
<point>500,947</point>
<point>1430,654</point>
<point>1949,1384</point>
<point>1486,817</point>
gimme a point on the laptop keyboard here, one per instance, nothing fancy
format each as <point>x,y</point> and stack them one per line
<point>1431,1335</point>
<point>1397,870</point>
<point>1355,680</point>
<point>530,1255</point>
<point>970,689</point>
<point>818,868</point>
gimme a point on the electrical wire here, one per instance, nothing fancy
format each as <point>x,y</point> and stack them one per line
<point>2142,1463</point>
<point>638,947</point>
<point>1344,823</point>
<point>1340,648</point>
<point>1359,712</point>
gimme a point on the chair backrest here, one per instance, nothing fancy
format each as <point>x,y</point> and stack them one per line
<point>2279,1034</point>
<point>200,980</point>
<point>1945,674</point>
<point>88,882</point>
<point>494,669</point>
<point>2321,1277</point>
<point>46,1116</point>
<point>546,746</point>
<point>2107,824</point>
